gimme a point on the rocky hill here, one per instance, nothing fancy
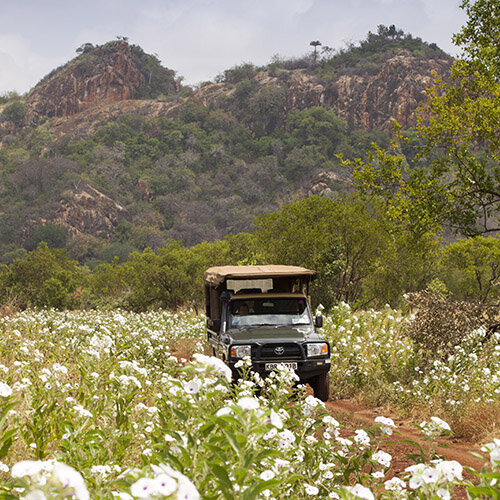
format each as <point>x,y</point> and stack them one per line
<point>112,147</point>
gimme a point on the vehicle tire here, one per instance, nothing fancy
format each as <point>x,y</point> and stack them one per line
<point>321,386</point>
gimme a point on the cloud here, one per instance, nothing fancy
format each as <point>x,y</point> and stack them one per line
<point>201,38</point>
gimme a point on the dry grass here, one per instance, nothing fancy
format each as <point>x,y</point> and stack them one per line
<point>481,422</point>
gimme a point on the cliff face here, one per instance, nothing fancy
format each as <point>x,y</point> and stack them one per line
<point>105,75</point>
<point>98,86</point>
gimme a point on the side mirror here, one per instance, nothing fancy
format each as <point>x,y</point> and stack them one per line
<point>216,325</point>
<point>318,322</point>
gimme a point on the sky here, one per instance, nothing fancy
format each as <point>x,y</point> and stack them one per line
<point>199,39</point>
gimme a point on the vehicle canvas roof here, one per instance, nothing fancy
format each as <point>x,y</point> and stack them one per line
<point>217,275</point>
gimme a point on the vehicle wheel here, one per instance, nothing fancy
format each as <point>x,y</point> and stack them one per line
<point>321,386</point>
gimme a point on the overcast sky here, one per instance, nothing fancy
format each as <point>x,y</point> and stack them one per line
<point>199,39</point>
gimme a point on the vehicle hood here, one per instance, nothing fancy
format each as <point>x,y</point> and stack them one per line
<point>270,333</point>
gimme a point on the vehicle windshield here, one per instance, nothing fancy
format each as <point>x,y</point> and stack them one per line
<point>289,311</point>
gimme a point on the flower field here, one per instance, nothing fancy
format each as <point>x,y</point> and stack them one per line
<point>94,404</point>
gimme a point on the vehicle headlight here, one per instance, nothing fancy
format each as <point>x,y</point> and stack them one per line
<point>319,349</point>
<point>240,351</point>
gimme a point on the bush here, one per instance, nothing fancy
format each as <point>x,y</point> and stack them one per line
<point>440,324</point>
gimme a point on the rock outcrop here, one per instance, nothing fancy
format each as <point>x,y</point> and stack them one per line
<point>88,211</point>
<point>99,85</point>
<point>105,75</point>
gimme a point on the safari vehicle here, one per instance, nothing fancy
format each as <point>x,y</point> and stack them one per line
<point>263,312</point>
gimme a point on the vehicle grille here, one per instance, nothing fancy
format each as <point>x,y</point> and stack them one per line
<point>290,351</point>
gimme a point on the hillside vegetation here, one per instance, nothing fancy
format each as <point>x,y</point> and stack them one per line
<point>202,171</point>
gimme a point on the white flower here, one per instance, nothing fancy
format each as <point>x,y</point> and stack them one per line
<point>267,475</point>
<point>286,439</point>
<point>395,484</point>
<point>59,368</point>
<point>3,467</point>
<point>276,420</point>
<point>386,424</point>
<point>5,390</point>
<point>210,361</point>
<point>144,487</point>
<point>35,495</point>
<point>40,470</point>
<point>224,411</point>
<point>270,434</point>
<point>329,420</point>
<point>165,485</point>
<point>441,423</point>
<point>378,474</point>
<point>450,469</point>
<point>443,493</point>
<point>361,491</point>
<point>193,386</point>
<point>382,458</point>
<point>435,427</point>
<point>82,411</point>
<point>311,490</point>
<point>422,473</point>
<point>362,437</point>
<point>494,450</point>
<point>248,404</point>
<point>29,468</point>
<point>101,470</point>
<point>70,478</point>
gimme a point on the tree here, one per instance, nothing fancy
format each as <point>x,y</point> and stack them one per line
<point>346,241</point>
<point>460,128</point>
<point>44,278</point>
<point>15,112</point>
<point>470,268</point>
<point>55,236</point>
<point>315,44</point>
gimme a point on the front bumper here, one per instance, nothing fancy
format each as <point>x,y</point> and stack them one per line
<point>306,369</point>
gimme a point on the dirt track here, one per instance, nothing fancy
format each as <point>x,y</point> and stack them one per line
<point>354,416</point>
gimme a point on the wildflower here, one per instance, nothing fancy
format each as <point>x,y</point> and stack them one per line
<point>450,469</point>
<point>59,368</point>
<point>193,386</point>
<point>276,420</point>
<point>382,458</point>
<point>82,411</point>
<point>435,427</point>
<point>494,450</point>
<point>5,390</point>
<point>395,484</point>
<point>329,420</point>
<point>386,424</point>
<point>210,361</point>
<point>360,491</point>
<point>165,484</point>
<point>362,438</point>
<point>270,434</point>
<point>287,438</point>
<point>267,475</point>
<point>421,474</point>
<point>65,476</point>
<point>144,487</point>
<point>311,490</point>
<point>248,404</point>
<point>443,493</point>
<point>100,470</point>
